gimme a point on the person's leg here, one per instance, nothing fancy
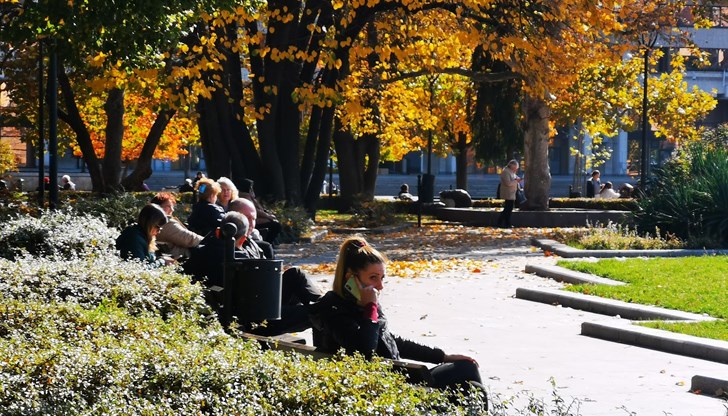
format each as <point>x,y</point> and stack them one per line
<point>270,230</point>
<point>507,211</point>
<point>455,374</point>
<point>504,219</point>
<point>298,288</point>
<point>294,318</point>
<point>459,375</point>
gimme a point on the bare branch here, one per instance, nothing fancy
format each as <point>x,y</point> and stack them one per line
<point>468,73</point>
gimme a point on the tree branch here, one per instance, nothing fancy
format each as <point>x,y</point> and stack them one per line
<point>473,75</point>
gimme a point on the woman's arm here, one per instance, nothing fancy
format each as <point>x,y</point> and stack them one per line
<point>176,234</point>
<point>360,335</point>
<point>412,350</point>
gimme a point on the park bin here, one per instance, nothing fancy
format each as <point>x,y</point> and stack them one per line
<point>253,290</point>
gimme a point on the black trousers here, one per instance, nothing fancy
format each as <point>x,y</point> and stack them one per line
<point>459,375</point>
<point>297,292</point>
<point>504,219</point>
<point>269,230</point>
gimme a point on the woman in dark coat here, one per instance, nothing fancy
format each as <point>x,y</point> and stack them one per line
<point>206,215</point>
<point>138,241</point>
<point>350,317</point>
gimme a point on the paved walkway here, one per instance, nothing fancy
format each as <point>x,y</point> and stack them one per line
<point>522,345</point>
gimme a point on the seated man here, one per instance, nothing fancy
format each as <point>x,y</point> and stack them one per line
<point>267,223</point>
<point>206,264</point>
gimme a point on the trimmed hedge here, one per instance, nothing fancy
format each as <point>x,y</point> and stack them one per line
<point>93,334</point>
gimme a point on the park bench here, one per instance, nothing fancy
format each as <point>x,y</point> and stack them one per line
<point>415,372</point>
<point>251,290</point>
<point>252,293</point>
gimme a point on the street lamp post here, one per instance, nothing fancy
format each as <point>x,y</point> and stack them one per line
<point>648,41</point>
<point>41,127</point>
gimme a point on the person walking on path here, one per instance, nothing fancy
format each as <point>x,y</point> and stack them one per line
<point>594,186</point>
<point>508,186</point>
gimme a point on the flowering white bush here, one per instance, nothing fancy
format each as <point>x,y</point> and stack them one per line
<point>56,234</point>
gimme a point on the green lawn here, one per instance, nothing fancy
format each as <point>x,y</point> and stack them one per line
<point>691,284</point>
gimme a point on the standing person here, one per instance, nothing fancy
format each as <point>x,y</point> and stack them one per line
<point>206,214</point>
<point>228,192</point>
<point>138,241</point>
<point>508,186</point>
<point>67,184</point>
<point>267,223</point>
<point>594,186</point>
<point>351,317</point>
<point>176,238</point>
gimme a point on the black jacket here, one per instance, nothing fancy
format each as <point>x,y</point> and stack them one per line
<point>205,217</point>
<point>342,324</point>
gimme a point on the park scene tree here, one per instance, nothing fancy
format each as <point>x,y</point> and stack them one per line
<point>277,92</point>
<point>268,83</point>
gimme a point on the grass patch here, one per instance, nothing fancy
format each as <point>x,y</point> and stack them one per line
<point>713,329</point>
<point>690,284</point>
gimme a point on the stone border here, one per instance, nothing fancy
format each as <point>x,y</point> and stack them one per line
<point>610,307</point>
<point>626,332</point>
<point>562,250</point>
<point>377,230</point>
<point>564,275</point>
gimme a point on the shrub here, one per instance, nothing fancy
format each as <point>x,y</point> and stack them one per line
<point>689,197</point>
<point>94,280</point>
<point>372,214</point>
<point>55,233</point>
<point>295,222</point>
<point>616,237</point>
<point>127,340</point>
<point>119,210</point>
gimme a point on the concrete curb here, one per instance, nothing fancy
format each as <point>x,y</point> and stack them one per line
<point>314,236</point>
<point>562,250</point>
<point>706,349</point>
<point>604,306</point>
<point>624,332</point>
<point>709,386</point>
<point>377,230</point>
<point>561,274</point>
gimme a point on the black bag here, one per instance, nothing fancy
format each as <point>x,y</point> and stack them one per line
<point>520,197</point>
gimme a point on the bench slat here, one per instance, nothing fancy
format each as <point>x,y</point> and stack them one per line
<point>417,373</point>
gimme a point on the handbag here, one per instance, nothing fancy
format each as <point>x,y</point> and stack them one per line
<point>520,197</point>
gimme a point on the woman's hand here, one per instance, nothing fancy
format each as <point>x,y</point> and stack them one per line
<point>369,294</point>
<point>449,358</point>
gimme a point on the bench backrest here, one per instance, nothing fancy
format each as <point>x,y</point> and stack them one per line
<point>416,373</point>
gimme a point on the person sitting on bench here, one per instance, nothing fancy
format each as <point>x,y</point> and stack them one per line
<point>351,317</point>
<point>206,264</point>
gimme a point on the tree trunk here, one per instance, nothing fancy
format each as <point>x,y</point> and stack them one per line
<point>322,157</point>
<point>350,177</point>
<point>461,161</point>
<point>114,108</point>
<point>368,146</point>
<point>72,117</point>
<point>143,169</point>
<point>537,174</point>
